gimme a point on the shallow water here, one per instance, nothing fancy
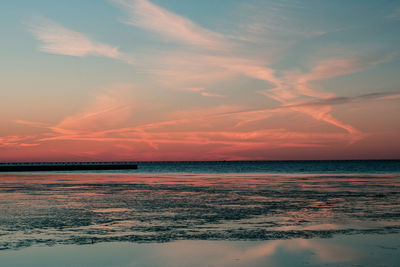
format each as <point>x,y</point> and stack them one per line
<point>341,250</point>
<point>87,208</point>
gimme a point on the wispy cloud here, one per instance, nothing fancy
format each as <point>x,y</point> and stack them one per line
<point>146,15</point>
<point>106,111</point>
<point>104,120</point>
<point>339,66</point>
<point>395,14</point>
<point>273,23</point>
<point>195,89</point>
<point>208,94</point>
<point>14,141</point>
<point>188,70</point>
<point>294,86</point>
<point>57,39</point>
<point>203,92</point>
<point>31,123</point>
<point>341,100</point>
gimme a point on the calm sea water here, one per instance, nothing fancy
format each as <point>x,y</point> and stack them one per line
<point>251,213</point>
<point>288,167</point>
<point>335,166</point>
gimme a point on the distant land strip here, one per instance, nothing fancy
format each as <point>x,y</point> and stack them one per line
<point>65,166</point>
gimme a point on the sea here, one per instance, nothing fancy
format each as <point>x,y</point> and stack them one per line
<point>227,213</point>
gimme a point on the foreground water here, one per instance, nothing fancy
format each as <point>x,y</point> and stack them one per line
<point>341,250</point>
<point>275,217</point>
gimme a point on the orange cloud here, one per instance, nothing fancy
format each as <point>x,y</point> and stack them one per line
<point>107,110</point>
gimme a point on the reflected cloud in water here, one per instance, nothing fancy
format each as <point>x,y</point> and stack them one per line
<point>354,250</point>
<point>248,254</point>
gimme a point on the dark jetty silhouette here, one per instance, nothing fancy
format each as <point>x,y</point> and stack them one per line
<point>65,166</point>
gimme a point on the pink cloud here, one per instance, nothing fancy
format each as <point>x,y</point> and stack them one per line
<point>195,89</point>
<point>106,111</point>
<point>31,123</point>
<point>212,95</point>
<point>149,16</point>
<point>294,86</point>
<point>18,141</point>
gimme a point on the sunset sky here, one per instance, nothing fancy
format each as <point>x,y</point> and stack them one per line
<point>199,80</point>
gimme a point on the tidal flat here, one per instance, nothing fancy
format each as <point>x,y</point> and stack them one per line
<point>263,219</point>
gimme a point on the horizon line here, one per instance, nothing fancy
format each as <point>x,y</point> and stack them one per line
<point>187,161</point>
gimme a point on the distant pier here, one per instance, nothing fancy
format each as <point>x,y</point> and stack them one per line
<point>65,166</point>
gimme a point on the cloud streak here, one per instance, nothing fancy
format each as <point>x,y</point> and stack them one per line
<point>107,110</point>
<point>294,86</point>
<point>146,15</point>
<point>341,100</point>
<point>56,39</point>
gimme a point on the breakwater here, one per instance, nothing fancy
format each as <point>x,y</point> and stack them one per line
<point>65,166</point>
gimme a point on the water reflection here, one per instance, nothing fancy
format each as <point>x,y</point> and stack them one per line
<point>89,208</point>
<point>249,254</point>
<point>353,250</point>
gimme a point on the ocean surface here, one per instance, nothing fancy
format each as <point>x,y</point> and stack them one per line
<point>285,167</point>
<point>283,213</point>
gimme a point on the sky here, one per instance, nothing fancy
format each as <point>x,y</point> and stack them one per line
<point>171,80</point>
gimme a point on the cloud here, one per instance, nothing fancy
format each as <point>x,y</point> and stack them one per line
<point>322,113</point>
<point>103,121</point>
<point>339,66</point>
<point>14,141</point>
<point>212,95</point>
<point>202,92</point>
<point>10,140</point>
<point>107,110</point>
<point>57,39</point>
<point>320,108</point>
<point>188,70</point>
<point>294,86</point>
<point>395,14</point>
<point>195,89</point>
<point>390,97</point>
<point>341,100</point>
<point>31,123</point>
<point>273,138</point>
<point>146,15</point>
